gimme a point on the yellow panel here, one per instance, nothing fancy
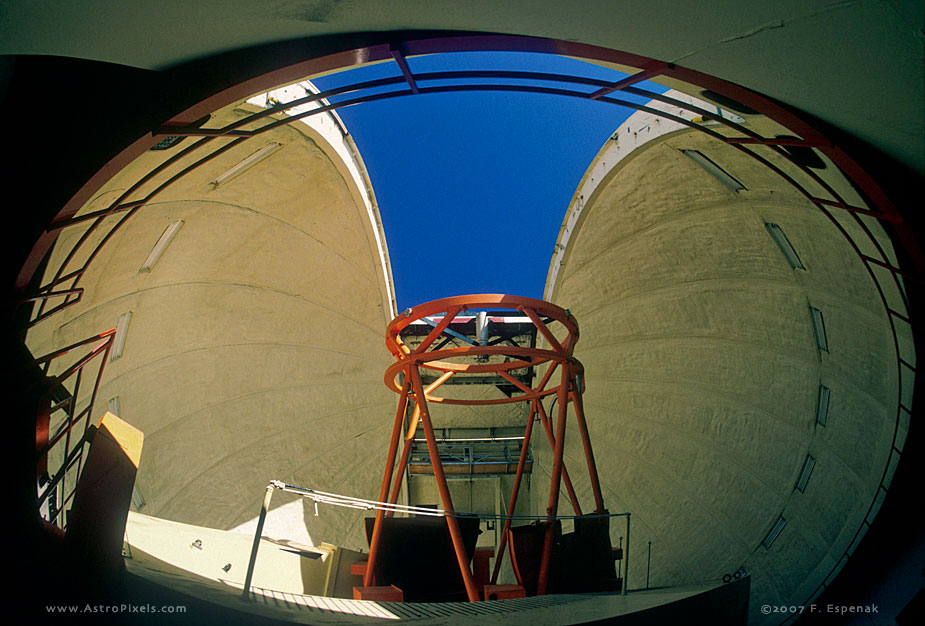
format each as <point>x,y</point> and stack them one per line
<point>129,438</point>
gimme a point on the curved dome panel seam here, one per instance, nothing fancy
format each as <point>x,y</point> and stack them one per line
<point>228,345</point>
<point>637,520</point>
<point>704,514</point>
<point>813,443</point>
<point>192,479</point>
<point>294,472</point>
<point>742,285</point>
<point>256,287</point>
<point>701,389</point>
<point>254,211</point>
<point>810,358</point>
<point>150,433</point>
<point>725,206</point>
<point>747,280</point>
<point>689,434</point>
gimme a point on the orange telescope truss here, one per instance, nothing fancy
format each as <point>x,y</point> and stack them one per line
<point>479,357</point>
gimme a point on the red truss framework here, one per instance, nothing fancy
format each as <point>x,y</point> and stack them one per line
<point>896,277</point>
<point>460,361</point>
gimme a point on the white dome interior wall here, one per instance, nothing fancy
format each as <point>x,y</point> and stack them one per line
<point>255,349</point>
<point>703,370</point>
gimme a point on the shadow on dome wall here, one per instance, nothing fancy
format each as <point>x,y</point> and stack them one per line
<point>97,146</point>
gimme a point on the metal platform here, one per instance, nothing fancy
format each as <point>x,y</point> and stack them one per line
<point>549,610</point>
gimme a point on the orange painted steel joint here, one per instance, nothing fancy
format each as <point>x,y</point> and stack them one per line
<point>404,377</point>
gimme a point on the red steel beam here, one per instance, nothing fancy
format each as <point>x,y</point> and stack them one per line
<point>443,488</point>
<point>259,81</point>
<point>586,442</point>
<point>438,330</point>
<point>515,489</point>
<point>653,69</point>
<point>895,218</point>
<point>547,424</point>
<point>895,270</point>
<point>544,418</point>
<point>544,330</point>
<point>368,578</point>
<point>402,464</point>
<point>553,506</point>
<point>816,142</point>
<point>416,414</point>
<point>395,51</point>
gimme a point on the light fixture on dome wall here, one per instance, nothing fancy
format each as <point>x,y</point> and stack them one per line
<point>808,466</point>
<point>161,245</point>
<point>775,531</point>
<point>777,234</point>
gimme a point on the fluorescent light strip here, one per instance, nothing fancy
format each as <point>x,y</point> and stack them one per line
<point>160,246</point>
<point>808,466</point>
<point>819,329</point>
<point>137,498</point>
<point>719,173</point>
<point>784,244</point>
<point>250,161</point>
<point>775,531</point>
<point>118,343</point>
<point>114,406</point>
<point>822,405</point>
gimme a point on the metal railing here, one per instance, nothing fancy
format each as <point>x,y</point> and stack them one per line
<point>324,497</point>
<point>891,280</point>
<point>65,280</point>
<point>63,421</point>
<point>466,452</point>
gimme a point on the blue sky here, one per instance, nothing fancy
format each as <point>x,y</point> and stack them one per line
<point>473,187</point>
